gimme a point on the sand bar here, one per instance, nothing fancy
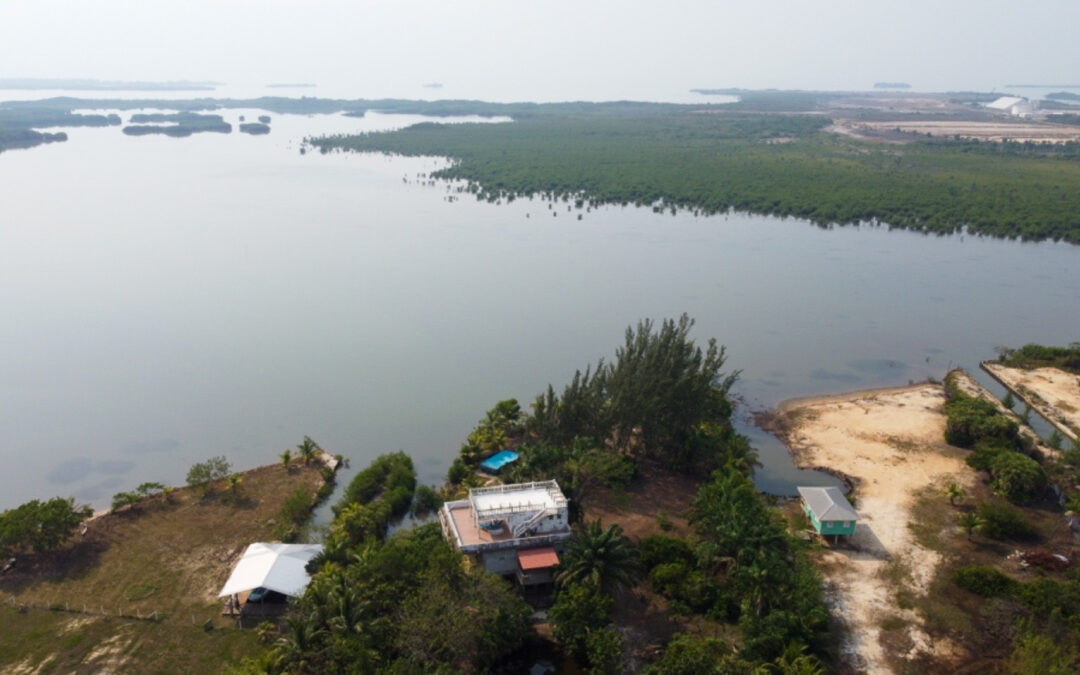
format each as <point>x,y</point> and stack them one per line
<point>890,444</point>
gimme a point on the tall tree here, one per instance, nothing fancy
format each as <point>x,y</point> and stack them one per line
<point>605,558</point>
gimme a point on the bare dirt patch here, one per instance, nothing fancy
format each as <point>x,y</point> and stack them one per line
<point>890,443</point>
<point>659,499</point>
<point>1054,393</point>
<point>989,130</point>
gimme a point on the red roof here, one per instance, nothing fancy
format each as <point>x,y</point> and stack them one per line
<point>537,558</point>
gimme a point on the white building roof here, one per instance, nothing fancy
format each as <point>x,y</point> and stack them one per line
<point>1004,103</point>
<point>503,499</point>
<point>828,503</point>
<point>279,567</point>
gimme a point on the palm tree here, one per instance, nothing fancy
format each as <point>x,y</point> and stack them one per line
<point>286,457</point>
<point>969,521</point>
<point>308,449</point>
<point>954,491</point>
<point>605,558</point>
<point>793,661</point>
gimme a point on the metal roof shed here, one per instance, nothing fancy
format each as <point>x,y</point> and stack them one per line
<point>278,567</point>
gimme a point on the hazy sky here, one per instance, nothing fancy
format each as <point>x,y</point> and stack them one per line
<point>540,49</point>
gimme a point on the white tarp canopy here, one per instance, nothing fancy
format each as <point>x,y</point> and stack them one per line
<point>279,567</point>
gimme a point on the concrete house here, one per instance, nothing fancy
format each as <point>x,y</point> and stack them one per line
<point>828,510</point>
<point>512,530</point>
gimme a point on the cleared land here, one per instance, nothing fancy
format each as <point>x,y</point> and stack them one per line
<point>993,131</point>
<point>169,556</point>
<point>1054,393</point>
<point>890,444</point>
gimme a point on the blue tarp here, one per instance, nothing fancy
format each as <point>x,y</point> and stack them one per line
<point>499,460</point>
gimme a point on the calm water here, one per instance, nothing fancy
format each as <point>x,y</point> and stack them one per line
<point>166,300</point>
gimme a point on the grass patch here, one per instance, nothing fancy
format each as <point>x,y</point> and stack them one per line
<point>63,642</point>
<point>171,556</point>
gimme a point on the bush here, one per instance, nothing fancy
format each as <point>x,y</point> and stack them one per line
<point>579,610</point>
<point>1017,477</point>
<point>389,476</point>
<point>984,580</point>
<point>1043,596</point>
<point>1001,521</point>
<point>984,454</point>
<point>458,471</point>
<point>41,526</point>
<point>658,549</point>
<point>971,420</point>
<point>426,500</point>
<point>212,469</point>
<point>667,578</point>
<point>297,508</point>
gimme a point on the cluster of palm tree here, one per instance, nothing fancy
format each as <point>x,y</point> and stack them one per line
<point>305,450</point>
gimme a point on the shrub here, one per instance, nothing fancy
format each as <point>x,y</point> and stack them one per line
<point>1043,596</point>
<point>579,610</point>
<point>212,469</point>
<point>122,499</point>
<point>658,549</point>
<point>667,578</point>
<point>297,508</point>
<point>1001,521</point>
<point>41,526</point>
<point>983,580</point>
<point>1017,477</point>
<point>426,500</point>
<point>458,471</point>
<point>984,454</point>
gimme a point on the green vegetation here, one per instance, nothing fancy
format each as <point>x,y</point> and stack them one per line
<point>975,423</point>
<point>602,558</point>
<point>710,161</point>
<point>395,604</point>
<point>40,526</point>
<point>178,125</point>
<point>1037,356</point>
<point>165,560</point>
<point>19,127</point>
<point>662,401</point>
<point>201,474</point>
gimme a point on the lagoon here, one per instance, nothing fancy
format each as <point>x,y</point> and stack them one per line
<point>165,300</point>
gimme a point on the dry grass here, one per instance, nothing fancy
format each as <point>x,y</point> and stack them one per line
<point>658,499</point>
<point>169,556</point>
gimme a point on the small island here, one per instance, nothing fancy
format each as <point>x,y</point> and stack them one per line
<point>254,128</point>
<point>177,125</point>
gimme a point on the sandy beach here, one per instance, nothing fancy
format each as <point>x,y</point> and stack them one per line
<point>889,443</point>
<point>1054,393</point>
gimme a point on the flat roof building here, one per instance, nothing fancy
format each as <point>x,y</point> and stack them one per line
<point>512,530</point>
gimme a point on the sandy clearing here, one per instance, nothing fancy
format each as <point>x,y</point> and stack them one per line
<point>970,386</point>
<point>1054,393</point>
<point>995,131</point>
<point>890,443</point>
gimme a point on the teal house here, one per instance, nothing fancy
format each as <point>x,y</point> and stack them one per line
<point>828,510</point>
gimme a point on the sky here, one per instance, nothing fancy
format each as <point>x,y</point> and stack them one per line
<point>545,49</point>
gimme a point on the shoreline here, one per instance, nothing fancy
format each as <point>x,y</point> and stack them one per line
<point>888,443</point>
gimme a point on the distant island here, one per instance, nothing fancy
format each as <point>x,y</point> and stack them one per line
<point>177,125</point>
<point>1045,86</point>
<point>1064,96</point>
<point>892,85</point>
<point>433,85</point>
<point>255,128</point>
<point>104,85</point>
<point>301,85</point>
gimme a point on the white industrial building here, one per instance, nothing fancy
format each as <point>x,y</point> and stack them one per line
<point>1013,105</point>
<point>512,530</point>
